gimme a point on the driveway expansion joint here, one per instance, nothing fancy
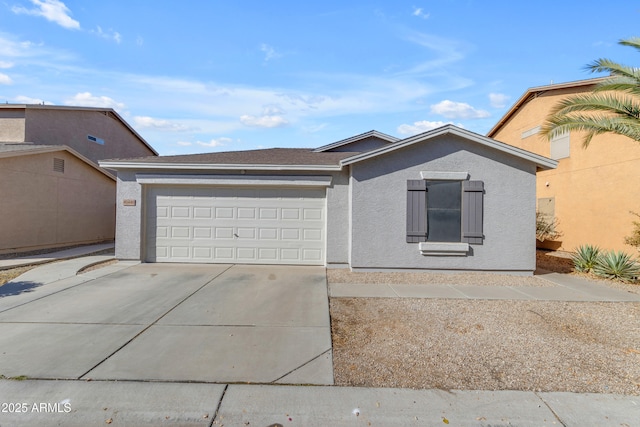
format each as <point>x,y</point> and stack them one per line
<point>555,414</point>
<point>153,323</point>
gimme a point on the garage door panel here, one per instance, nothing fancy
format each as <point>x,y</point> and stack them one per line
<point>202,232</point>
<point>213,224</point>
<point>246,213</point>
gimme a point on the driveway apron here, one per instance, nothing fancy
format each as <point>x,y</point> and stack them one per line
<point>210,323</point>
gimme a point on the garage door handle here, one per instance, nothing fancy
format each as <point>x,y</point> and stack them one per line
<point>236,235</point>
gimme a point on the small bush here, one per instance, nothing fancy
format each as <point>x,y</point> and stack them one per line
<point>546,227</point>
<point>617,265</point>
<point>585,258</point>
<point>634,239</point>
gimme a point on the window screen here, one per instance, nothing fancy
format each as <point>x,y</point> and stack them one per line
<point>444,204</point>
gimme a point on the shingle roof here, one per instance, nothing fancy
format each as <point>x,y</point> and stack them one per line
<point>270,156</point>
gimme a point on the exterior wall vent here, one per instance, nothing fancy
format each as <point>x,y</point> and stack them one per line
<point>58,165</point>
<point>95,139</point>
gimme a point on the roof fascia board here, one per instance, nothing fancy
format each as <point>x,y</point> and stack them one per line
<point>356,138</point>
<point>212,166</point>
<point>252,180</point>
<point>537,90</point>
<point>540,161</point>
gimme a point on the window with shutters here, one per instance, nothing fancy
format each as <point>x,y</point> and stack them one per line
<point>444,215</point>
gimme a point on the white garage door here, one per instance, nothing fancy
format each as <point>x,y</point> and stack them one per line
<point>235,225</point>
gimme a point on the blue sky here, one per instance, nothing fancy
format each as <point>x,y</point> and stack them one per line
<point>203,75</point>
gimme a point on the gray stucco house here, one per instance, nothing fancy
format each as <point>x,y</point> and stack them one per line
<point>447,199</point>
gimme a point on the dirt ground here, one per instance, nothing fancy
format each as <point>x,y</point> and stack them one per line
<point>489,345</point>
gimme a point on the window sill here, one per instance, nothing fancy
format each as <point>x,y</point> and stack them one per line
<point>443,249</point>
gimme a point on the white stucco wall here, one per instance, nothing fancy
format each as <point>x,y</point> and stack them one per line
<point>378,206</point>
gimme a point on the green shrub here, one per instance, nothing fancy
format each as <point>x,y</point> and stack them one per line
<point>617,265</point>
<point>585,258</point>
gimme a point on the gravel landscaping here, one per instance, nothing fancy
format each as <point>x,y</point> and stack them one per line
<point>485,344</point>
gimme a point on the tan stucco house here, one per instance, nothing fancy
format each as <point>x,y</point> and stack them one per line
<point>54,193</point>
<point>592,190</point>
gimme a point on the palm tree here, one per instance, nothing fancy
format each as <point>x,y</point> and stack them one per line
<point>612,107</point>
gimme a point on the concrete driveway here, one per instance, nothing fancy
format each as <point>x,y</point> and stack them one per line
<point>172,322</point>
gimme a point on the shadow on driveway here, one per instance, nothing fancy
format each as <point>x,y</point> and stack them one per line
<point>16,288</point>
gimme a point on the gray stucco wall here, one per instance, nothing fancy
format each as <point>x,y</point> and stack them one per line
<point>378,206</point>
<point>130,225</point>
<point>363,145</point>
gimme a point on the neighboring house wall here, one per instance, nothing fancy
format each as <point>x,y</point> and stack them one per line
<point>379,207</point>
<point>12,125</point>
<point>52,126</point>
<point>46,208</point>
<point>593,190</point>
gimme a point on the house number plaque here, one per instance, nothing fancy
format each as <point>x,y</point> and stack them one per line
<point>129,202</point>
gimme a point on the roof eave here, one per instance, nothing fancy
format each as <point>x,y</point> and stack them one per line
<point>213,166</point>
<point>374,133</point>
<point>536,90</point>
<point>540,161</point>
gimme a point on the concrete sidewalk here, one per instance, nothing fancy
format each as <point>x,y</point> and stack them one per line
<point>82,403</point>
<point>76,252</point>
<point>567,288</point>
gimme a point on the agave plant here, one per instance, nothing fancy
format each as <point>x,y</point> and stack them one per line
<point>617,265</point>
<point>585,258</point>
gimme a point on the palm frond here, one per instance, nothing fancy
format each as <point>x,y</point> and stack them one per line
<point>615,69</point>
<point>621,105</point>
<point>592,124</point>
<point>612,107</point>
<point>620,84</point>
<point>631,42</point>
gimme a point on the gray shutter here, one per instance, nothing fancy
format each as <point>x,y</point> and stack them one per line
<point>472,207</point>
<point>416,210</point>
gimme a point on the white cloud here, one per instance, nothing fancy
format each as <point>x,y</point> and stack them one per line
<point>5,80</point>
<point>264,121</point>
<point>108,35</point>
<point>220,142</point>
<point>272,117</point>
<point>5,64</point>
<point>269,52</point>
<point>52,10</point>
<point>20,99</point>
<point>165,125</point>
<point>86,99</point>
<point>498,100</point>
<point>184,143</point>
<point>444,51</point>
<point>421,126</point>
<point>420,13</point>
<point>458,110</point>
